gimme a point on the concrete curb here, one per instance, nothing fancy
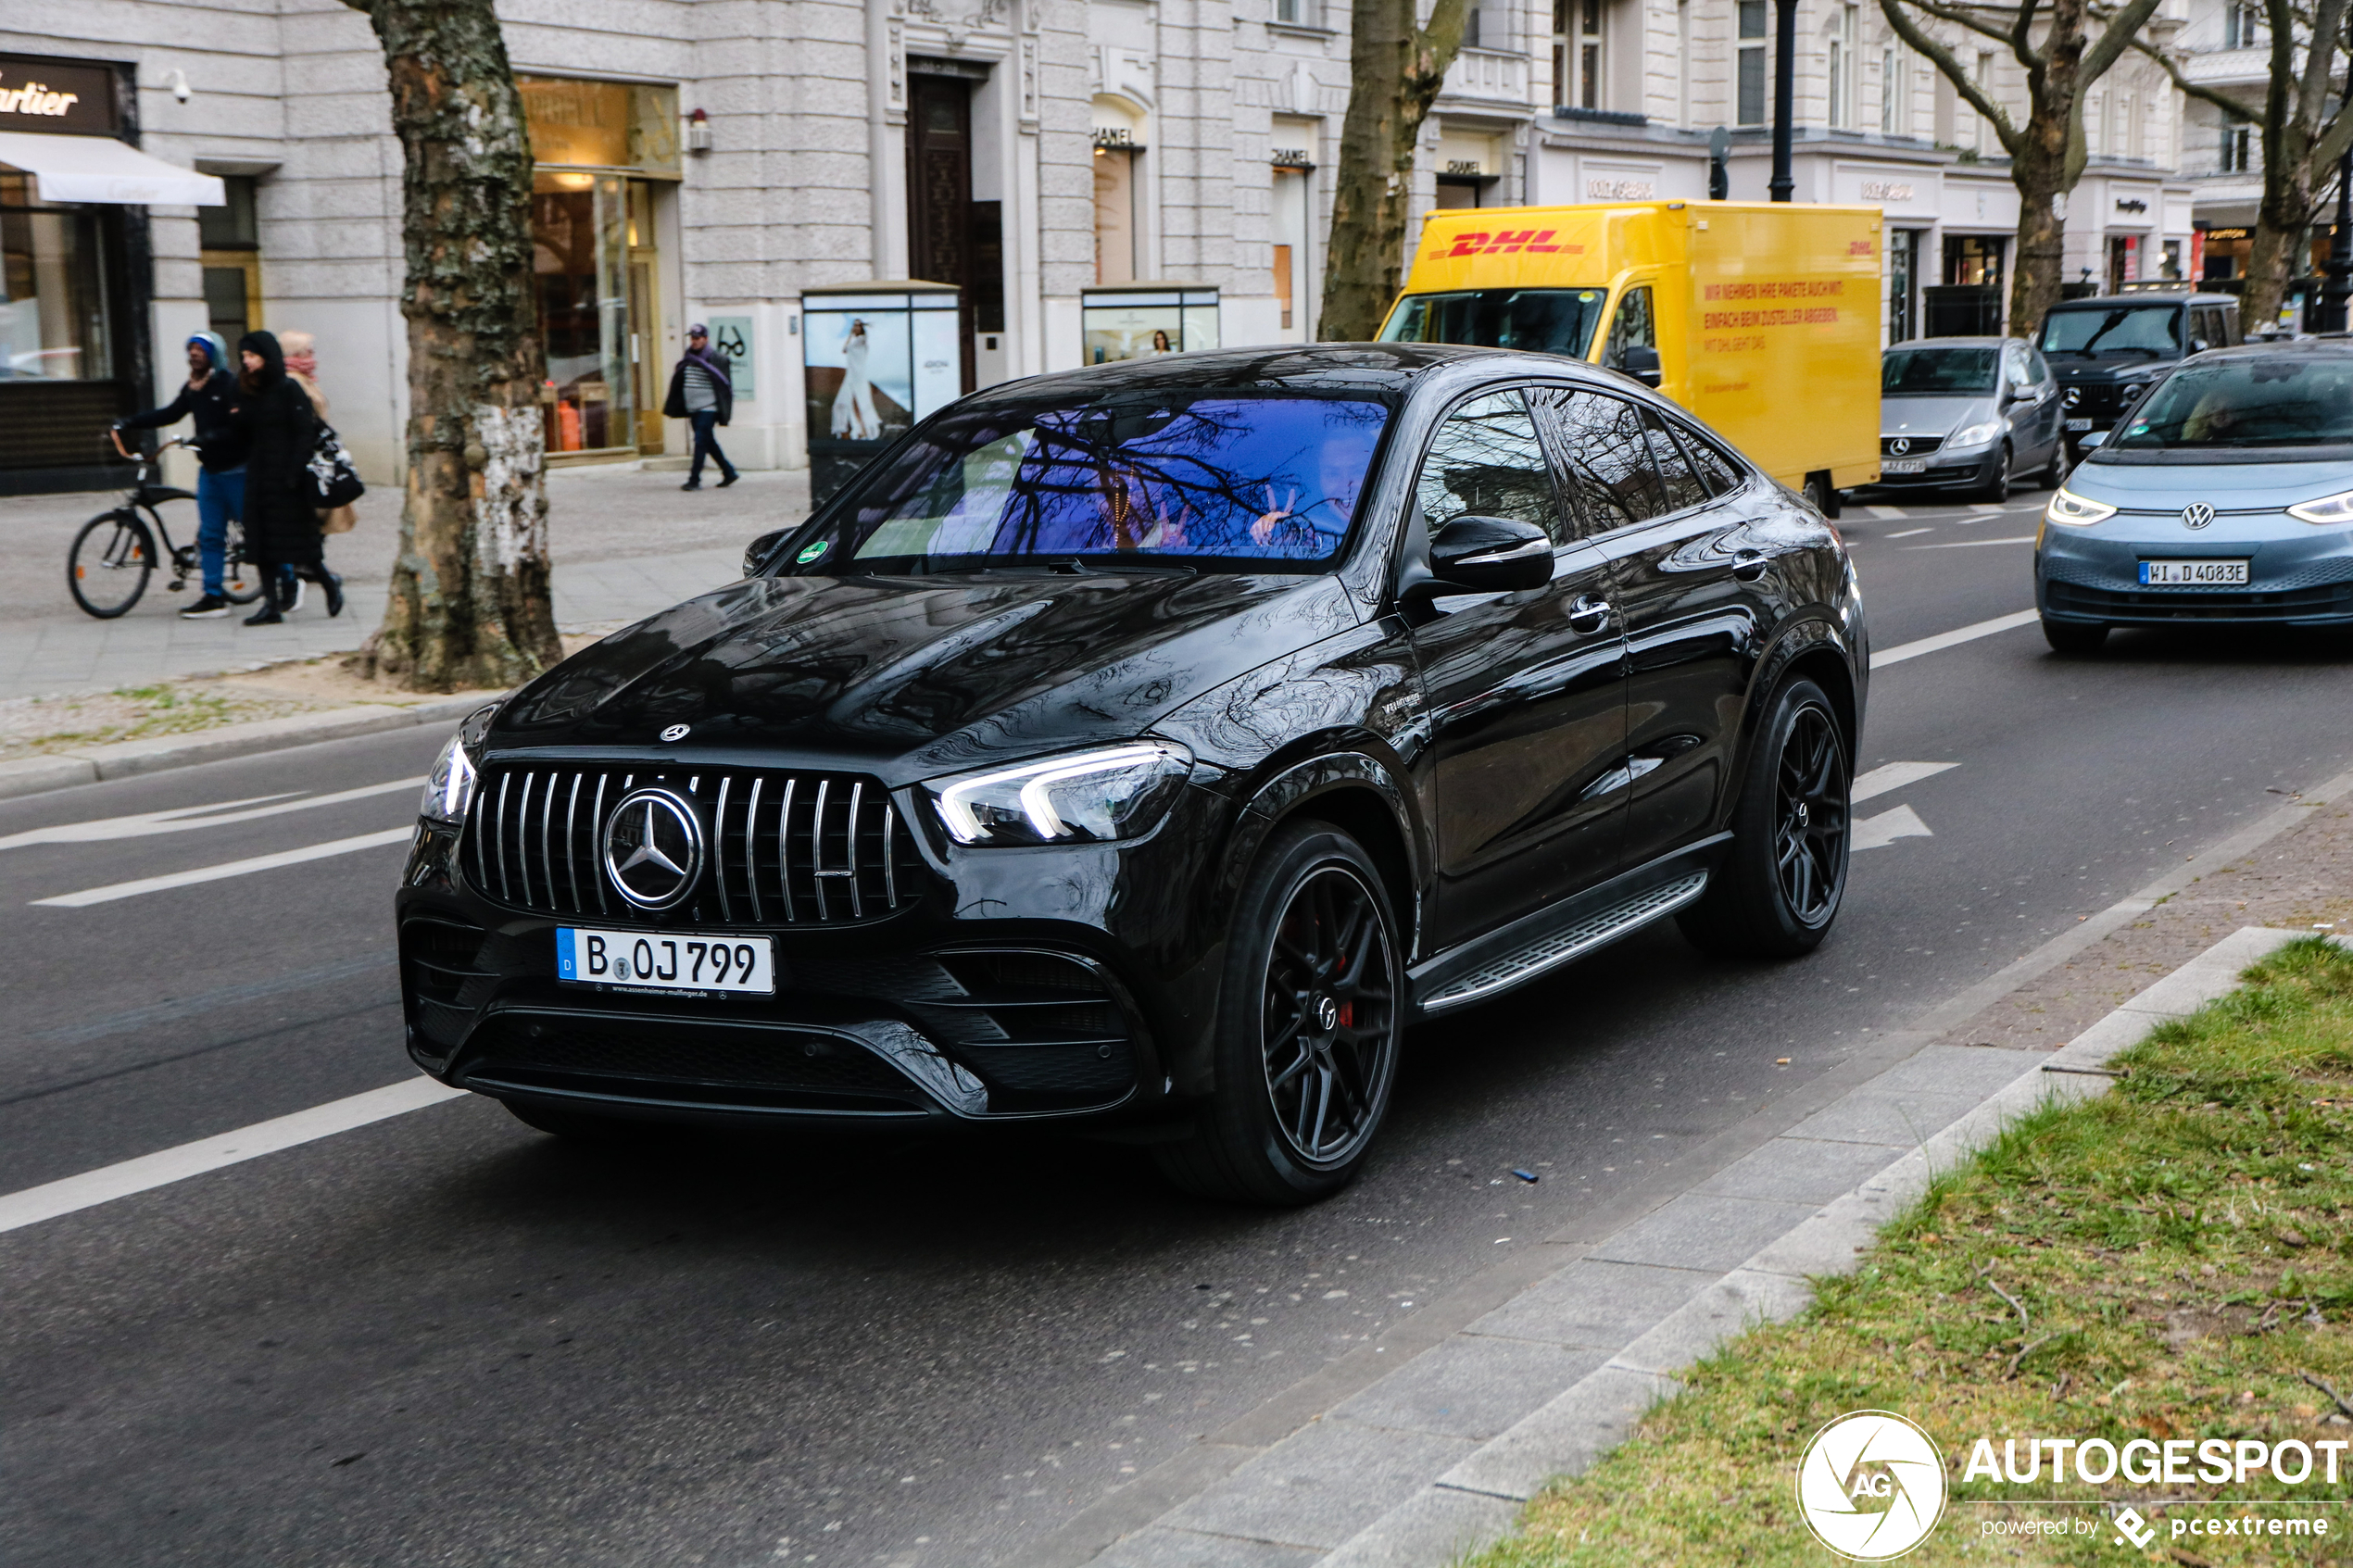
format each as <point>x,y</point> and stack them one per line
<point>63,769</point>
<point>1626,1314</point>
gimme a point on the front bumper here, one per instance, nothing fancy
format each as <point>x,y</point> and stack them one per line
<point>1964,471</point>
<point>1009,984</point>
<point>2297,575</point>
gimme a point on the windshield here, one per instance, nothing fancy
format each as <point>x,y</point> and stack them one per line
<point>1534,321</point>
<point>2143,328</point>
<point>1219,481</point>
<point>2266,402</point>
<point>1938,372</point>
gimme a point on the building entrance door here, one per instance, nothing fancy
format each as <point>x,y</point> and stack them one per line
<point>940,194</point>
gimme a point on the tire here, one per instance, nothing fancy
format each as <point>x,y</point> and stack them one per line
<point>240,579</point>
<point>585,1128</point>
<point>1308,1028</point>
<point>2073,636</point>
<point>2054,471</point>
<point>111,560</point>
<point>1997,488</point>
<point>1821,496</point>
<point>1780,886</point>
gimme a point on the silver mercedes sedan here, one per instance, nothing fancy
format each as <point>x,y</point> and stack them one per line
<point>2224,495</point>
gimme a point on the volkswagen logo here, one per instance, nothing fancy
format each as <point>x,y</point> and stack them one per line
<point>1900,445</point>
<point>675,732</point>
<point>2197,514</point>
<point>653,848</point>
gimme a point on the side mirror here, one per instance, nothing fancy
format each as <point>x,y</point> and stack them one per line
<point>2199,345</point>
<point>758,551</point>
<point>1642,363</point>
<point>2090,439</point>
<point>1491,555</point>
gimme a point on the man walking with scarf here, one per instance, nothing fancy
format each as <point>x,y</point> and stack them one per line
<point>701,392</point>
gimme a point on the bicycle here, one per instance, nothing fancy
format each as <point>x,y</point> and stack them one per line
<point>115,554</point>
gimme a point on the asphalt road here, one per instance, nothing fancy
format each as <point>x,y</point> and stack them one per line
<point>444,1338</point>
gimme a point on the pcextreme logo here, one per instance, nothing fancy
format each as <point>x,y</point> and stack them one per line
<point>1870,1486</point>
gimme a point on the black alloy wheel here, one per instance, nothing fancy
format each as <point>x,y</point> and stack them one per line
<point>1810,825</point>
<point>1308,1028</point>
<point>1327,1029</point>
<point>1781,883</point>
<point>112,559</point>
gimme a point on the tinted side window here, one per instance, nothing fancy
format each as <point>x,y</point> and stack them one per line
<point>2230,324</point>
<point>1683,487</point>
<point>1631,328</point>
<point>1486,462</point>
<point>2041,367</point>
<point>1606,457</point>
<point>1722,475</point>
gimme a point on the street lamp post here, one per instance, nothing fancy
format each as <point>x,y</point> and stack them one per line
<point>1783,185</point>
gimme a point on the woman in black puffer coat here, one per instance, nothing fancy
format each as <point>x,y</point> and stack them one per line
<point>281,513</point>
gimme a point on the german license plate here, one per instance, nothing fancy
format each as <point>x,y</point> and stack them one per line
<point>2194,573</point>
<point>669,960</point>
<point>1903,465</point>
<point>2079,424</point>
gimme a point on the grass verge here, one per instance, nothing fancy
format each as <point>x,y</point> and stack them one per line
<point>2173,1260</point>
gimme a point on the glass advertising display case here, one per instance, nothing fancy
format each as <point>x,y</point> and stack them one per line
<point>876,357</point>
<point>1137,321</point>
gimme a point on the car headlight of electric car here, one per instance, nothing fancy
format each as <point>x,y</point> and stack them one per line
<point>449,788</point>
<point>1977,435</point>
<point>2075,511</point>
<point>1081,796</point>
<point>2327,510</point>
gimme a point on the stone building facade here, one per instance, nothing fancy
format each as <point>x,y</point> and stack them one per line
<point>721,159</point>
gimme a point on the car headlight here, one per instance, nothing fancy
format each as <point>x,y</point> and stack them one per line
<point>2074,510</point>
<point>2328,508</point>
<point>1978,436</point>
<point>449,788</point>
<point>1083,797</point>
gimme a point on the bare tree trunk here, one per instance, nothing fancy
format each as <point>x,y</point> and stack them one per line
<point>2274,260</point>
<point>469,604</point>
<point>2046,153</point>
<point>1395,70</point>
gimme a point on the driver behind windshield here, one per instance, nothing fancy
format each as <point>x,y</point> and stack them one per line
<point>2261,402</point>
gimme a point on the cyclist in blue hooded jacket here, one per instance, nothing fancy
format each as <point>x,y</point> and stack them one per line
<point>212,396</point>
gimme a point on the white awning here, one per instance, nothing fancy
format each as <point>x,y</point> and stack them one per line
<point>99,168</point>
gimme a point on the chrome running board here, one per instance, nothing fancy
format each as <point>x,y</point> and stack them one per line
<point>1595,930</point>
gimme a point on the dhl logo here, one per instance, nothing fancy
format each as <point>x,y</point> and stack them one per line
<point>1858,247</point>
<point>1506,242</point>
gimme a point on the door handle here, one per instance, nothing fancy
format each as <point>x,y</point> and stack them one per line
<point>1588,614</point>
<point>1748,565</point>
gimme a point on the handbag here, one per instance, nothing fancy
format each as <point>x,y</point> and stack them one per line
<point>333,481</point>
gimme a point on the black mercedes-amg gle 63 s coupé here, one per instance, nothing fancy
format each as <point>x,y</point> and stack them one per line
<point>1144,748</point>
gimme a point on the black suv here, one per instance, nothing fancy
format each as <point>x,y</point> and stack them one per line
<point>1146,746</point>
<point>2106,351</point>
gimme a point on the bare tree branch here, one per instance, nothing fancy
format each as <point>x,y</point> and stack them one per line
<point>1946,61</point>
<point>2189,88</point>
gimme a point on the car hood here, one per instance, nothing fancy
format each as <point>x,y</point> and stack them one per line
<point>2102,372</point>
<point>2244,485</point>
<point>910,677</point>
<point>1931,416</point>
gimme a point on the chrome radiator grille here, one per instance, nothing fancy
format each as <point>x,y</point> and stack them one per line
<point>780,849</point>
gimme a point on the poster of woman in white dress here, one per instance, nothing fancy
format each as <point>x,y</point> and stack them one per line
<point>860,381</point>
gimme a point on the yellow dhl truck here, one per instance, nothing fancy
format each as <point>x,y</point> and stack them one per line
<point>1762,319</point>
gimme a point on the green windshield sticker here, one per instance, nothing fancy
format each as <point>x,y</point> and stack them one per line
<point>811,552</point>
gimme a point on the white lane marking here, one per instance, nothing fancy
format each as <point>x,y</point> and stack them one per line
<point>1907,533</point>
<point>1989,507</point>
<point>1972,543</point>
<point>1894,776</point>
<point>1888,514</point>
<point>1873,833</point>
<point>1953,639</point>
<point>148,1172</point>
<point>184,818</point>
<point>231,868</point>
